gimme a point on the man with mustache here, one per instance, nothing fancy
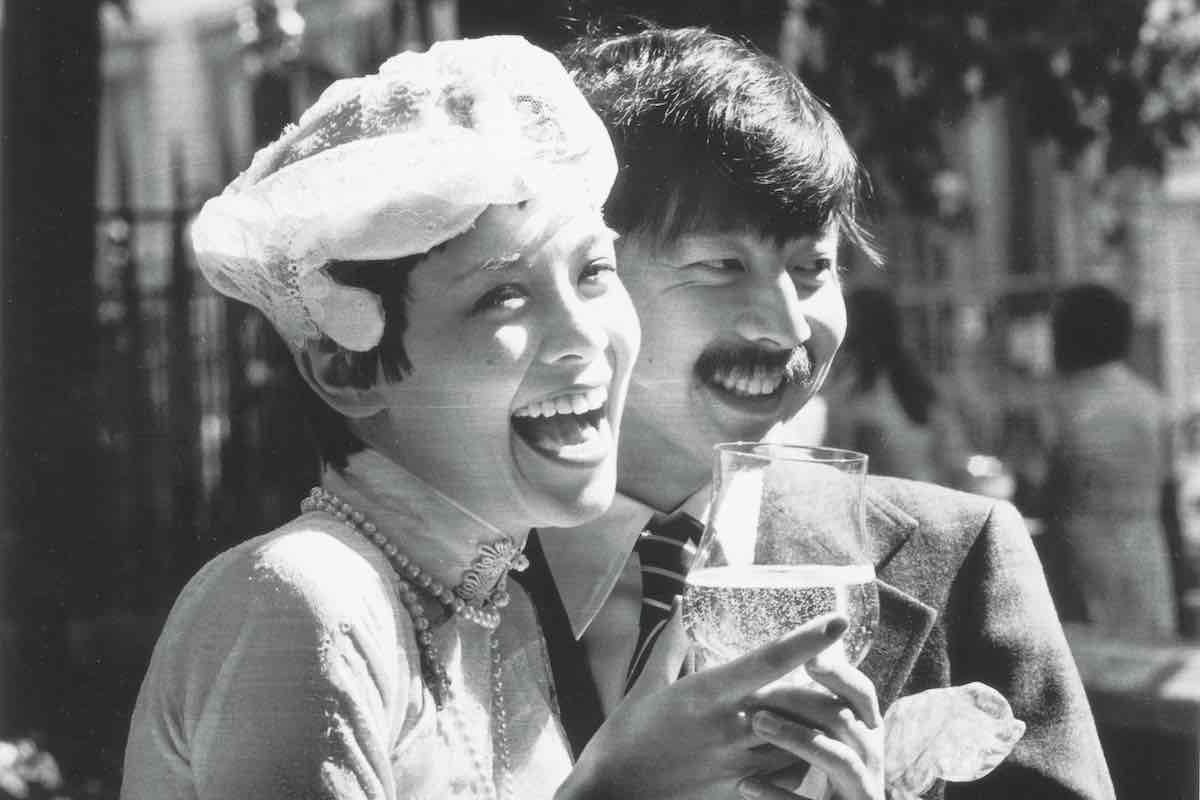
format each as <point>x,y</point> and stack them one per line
<point>735,192</point>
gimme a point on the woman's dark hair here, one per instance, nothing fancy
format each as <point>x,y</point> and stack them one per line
<point>1091,325</point>
<point>710,132</point>
<point>874,339</point>
<point>388,279</point>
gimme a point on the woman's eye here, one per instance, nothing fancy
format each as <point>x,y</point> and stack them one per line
<point>597,270</point>
<point>508,297</point>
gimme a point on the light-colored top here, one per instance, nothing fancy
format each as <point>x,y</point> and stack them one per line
<point>1107,465</point>
<point>289,668</point>
<point>873,421</point>
<point>1110,443</point>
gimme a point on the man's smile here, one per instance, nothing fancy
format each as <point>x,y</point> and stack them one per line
<point>753,373</point>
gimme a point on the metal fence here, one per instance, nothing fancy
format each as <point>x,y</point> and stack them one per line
<point>199,425</point>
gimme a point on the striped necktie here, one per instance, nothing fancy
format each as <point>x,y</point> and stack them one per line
<point>663,551</point>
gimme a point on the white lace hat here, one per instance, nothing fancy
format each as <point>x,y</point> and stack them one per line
<point>393,164</point>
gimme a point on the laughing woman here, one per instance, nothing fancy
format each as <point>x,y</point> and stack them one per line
<point>429,242</point>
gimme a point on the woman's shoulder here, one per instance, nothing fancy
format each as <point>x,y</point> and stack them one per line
<point>311,569</point>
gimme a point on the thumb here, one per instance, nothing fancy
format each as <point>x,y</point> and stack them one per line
<point>667,654</point>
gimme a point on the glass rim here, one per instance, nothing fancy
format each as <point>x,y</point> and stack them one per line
<point>797,451</point>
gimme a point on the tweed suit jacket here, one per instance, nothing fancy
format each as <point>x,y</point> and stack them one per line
<point>963,598</point>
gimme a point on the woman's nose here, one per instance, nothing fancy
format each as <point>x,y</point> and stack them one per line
<point>575,331</point>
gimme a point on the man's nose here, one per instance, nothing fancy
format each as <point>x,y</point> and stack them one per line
<point>575,331</point>
<point>774,314</point>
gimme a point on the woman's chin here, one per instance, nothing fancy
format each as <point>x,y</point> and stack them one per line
<point>568,509</point>
<point>559,493</point>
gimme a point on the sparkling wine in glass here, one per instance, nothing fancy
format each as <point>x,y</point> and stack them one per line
<point>785,542</point>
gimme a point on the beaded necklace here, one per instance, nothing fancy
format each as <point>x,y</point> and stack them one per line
<point>477,599</point>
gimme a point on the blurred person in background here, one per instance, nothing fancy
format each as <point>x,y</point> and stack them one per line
<point>883,403</point>
<point>1109,459</point>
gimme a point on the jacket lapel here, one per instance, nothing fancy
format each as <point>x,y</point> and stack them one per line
<point>904,621</point>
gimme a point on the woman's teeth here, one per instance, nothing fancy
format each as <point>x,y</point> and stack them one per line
<point>749,381</point>
<point>572,403</point>
<point>571,426</point>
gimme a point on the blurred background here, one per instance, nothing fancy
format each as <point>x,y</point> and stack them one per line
<point>1015,147</point>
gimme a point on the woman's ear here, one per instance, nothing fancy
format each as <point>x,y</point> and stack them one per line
<point>327,372</point>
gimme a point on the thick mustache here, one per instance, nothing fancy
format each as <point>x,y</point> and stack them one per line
<point>795,363</point>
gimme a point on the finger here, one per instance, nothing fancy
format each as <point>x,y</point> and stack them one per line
<point>834,719</point>
<point>747,673</point>
<point>838,760</point>
<point>818,709</point>
<point>849,684</point>
<point>763,759</point>
<point>667,655</point>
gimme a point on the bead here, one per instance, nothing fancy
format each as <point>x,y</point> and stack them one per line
<point>433,670</point>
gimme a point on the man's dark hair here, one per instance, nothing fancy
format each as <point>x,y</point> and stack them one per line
<point>712,133</point>
<point>1092,325</point>
<point>388,279</point>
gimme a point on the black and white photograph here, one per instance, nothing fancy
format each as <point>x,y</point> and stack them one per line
<point>598,400</point>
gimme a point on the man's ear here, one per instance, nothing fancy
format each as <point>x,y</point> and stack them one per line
<point>327,373</point>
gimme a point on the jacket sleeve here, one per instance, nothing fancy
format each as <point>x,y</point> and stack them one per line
<point>1004,631</point>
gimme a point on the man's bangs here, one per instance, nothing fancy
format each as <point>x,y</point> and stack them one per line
<point>779,202</point>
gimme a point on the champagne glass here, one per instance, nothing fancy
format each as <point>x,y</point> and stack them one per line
<point>784,543</point>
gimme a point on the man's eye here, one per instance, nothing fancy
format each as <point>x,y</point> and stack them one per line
<point>814,268</point>
<point>509,297</point>
<point>722,265</point>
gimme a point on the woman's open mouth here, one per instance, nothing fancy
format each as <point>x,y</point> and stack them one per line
<point>572,426</point>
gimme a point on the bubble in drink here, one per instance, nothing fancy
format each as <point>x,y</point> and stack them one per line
<point>729,611</point>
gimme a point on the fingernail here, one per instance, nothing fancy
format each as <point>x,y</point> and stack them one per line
<point>767,723</point>
<point>749,788</point>
<point>836,627</point>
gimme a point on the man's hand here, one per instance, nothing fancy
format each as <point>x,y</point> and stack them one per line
<point>696,737</point>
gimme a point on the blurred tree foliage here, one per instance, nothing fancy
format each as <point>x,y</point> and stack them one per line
<point>1122,74</point>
